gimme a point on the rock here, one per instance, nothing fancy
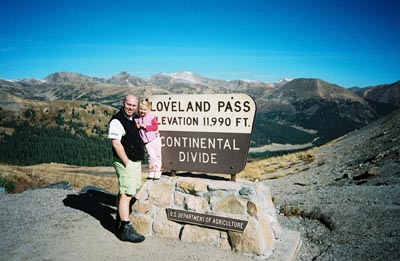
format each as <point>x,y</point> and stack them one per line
<point>373,171</point>
<point>230,204</point>
<point>161,194</point>
<point>164,228</point>
<point>245,201</point>
<point>196,234</point>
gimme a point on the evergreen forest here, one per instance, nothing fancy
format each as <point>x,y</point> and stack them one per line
<point>70,143</point>
<point>31,145</point>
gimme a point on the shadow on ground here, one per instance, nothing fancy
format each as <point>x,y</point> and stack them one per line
<point>197,175</point>
<point>98,203</point>
<point>101,204</point>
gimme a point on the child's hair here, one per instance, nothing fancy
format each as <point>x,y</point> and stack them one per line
<point>146,103</point>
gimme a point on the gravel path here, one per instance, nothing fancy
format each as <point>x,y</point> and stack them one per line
<point>59,224</point>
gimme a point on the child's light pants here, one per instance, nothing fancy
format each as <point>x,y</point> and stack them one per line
<point>153,149</point>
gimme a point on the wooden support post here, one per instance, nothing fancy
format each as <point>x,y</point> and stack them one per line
<point>173,173</point>
<point>233,177</point>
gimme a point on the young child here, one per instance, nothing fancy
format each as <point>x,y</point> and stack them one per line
<point>148,128</point>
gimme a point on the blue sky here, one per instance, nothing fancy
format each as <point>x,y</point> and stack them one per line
<point>346,42</point>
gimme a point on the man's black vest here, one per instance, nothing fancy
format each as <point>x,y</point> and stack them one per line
<point>132,142</point>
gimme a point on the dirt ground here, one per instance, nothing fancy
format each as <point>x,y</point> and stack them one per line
<point>59,224</point>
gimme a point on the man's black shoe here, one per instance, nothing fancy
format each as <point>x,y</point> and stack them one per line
<point>128,233</point>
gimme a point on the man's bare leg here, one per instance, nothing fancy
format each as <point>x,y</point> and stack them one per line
<point>126,231</point>
<point>123,202</point>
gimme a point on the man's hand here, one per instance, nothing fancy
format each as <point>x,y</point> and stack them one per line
<point>117,145</point>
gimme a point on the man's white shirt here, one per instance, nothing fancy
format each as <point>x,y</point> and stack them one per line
<point>116,130</point>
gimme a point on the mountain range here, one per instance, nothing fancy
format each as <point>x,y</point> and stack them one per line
<point>294,111</point>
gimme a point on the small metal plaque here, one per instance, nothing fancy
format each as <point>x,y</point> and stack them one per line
<point>223,223</point>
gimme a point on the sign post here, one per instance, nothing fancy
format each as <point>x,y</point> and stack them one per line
<point>205,132</point>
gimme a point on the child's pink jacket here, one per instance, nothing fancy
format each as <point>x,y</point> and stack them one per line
<point>151,131</point>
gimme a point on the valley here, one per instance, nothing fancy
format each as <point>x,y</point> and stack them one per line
<point>291,115</point>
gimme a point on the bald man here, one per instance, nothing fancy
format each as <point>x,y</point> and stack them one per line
<point>128,152</point>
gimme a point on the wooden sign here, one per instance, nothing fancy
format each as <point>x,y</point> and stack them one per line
<point>205,132</point>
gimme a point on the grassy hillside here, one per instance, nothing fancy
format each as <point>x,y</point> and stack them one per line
<point>70,132</point>
<point>266,131</point>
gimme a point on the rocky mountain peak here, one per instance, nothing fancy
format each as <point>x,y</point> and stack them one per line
<point>310,88</point>
<point>187,76</point>
<point>160,79</point>
<point>127,80</point>
<point>69,77</point>
<point>384,93</point>
<point>284,80</point>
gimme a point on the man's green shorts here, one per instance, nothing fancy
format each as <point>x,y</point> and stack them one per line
<point>129,177</point>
